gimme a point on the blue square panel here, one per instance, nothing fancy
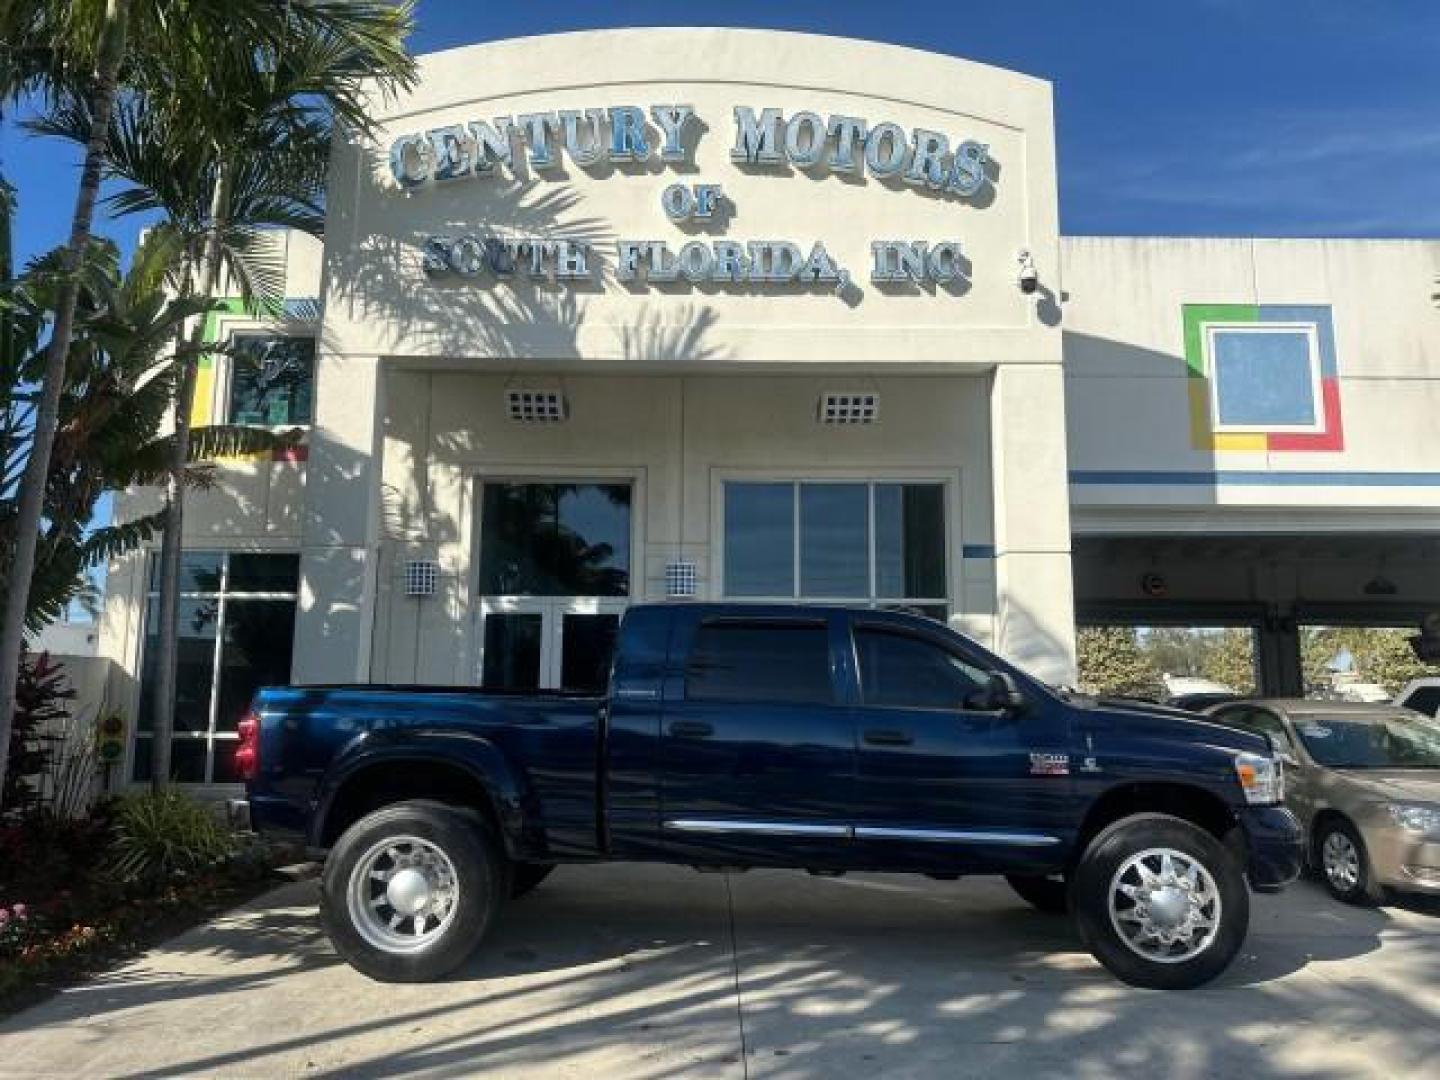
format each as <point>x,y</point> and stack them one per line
<point>1262,379</point>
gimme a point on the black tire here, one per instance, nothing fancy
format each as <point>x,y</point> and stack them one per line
<point>1100,870</point>
<point>479,878</point>
<point>526,876</point>
<point>1048,894</point>
<point>1362,891</point>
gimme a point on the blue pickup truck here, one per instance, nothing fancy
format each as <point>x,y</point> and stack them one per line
<point>735,736</point>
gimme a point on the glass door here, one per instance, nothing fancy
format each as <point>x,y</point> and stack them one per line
<point>555,643</point>
<point>585,630</point>
<point>554,579</point>
<point>514,647</point>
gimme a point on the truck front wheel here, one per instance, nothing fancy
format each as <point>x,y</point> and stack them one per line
<point>1160,902</point>
<point>409,891</point>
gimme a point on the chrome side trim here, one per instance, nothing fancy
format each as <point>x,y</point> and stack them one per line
<point>641,692</point>
<point>757,828</point>
<point>863,832</point>
<point>955,836</point>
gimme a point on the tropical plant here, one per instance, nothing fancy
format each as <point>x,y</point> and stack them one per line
<point>226,176</point>
<point>42,39</point>
<point>157,835</point>
<point>40,704</point>
<point>94,52</point>
<point>115,400</point>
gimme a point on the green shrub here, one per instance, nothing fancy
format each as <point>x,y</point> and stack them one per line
<point>156,837</point>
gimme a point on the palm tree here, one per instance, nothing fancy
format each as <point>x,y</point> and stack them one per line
<point>44,26</point>
<point>227,177</point>
<point>120,384</point>
<point>83,47</point>
<point>182,52</point>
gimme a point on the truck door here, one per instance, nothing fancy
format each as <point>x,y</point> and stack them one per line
<point>758,755</point>
<point>941,783</point>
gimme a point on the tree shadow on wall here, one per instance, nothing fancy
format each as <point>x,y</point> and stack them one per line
<point>378,276</point>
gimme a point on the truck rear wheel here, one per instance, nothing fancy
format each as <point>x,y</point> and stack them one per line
<point>1160,902</point>
<point>409,891</point>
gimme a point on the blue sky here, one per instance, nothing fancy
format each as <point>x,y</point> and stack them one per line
<point>1212,117</point>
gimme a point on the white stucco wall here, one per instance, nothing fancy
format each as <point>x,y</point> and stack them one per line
<point>1126,383</point>
<point>677,439</point>
<point>744,363</point>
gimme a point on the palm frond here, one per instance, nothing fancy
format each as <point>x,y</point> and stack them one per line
<point>239,440</point>
<point>114,541</point>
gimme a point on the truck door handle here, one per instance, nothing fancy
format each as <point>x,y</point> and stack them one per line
<point>691,729</point>
<point>888,737</point>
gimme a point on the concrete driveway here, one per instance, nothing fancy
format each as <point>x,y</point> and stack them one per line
<point>630,971</point>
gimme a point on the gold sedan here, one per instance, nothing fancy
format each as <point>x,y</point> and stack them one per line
<point>1364,780</point>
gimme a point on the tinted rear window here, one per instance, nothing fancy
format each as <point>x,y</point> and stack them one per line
<point>760,661</point>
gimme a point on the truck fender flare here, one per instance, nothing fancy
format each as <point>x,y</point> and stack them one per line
<point>475,756</point>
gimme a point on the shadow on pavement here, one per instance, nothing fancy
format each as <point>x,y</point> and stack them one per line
<point>658,972</point>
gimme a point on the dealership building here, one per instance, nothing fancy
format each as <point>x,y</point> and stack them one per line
<point>648,315</point>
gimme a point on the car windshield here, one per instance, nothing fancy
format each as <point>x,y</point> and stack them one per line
<point>1394,741</point>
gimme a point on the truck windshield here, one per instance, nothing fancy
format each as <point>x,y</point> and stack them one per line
<point>1398,741</point>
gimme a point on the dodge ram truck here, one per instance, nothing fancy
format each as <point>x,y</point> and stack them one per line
<point>816,738</point>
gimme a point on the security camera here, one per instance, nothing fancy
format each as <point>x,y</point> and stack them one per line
<point>1029,276</point>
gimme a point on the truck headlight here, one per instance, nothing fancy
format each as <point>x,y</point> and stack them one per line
<point>1261,778</point>
<point>1419,819</point>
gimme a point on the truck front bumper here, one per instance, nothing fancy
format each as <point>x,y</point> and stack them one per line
<point>1274,847</point>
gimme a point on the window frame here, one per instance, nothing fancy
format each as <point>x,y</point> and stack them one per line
<point>211,735</point>
<point>227,392</point>
<point>950,488</point>
<point>859,626</point>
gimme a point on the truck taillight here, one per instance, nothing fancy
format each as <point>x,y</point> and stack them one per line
<point>247,753</point>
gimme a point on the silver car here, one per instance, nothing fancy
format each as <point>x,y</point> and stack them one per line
<point>1364,780</point>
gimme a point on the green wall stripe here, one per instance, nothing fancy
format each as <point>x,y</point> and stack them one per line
<point>1196,315</point>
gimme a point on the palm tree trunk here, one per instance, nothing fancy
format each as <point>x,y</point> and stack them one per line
<point>37,468</point>
<point>167,660</point>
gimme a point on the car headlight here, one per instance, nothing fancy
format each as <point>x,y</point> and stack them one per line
<point>1420,819</point>
<point>1261,778</point>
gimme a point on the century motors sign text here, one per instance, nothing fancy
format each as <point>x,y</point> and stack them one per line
<point>763,140</point>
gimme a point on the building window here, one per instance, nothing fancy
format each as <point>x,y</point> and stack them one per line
<point>272,380</point>
<point>881,544</point>
<point>237,629</point>
<point>555,539</point>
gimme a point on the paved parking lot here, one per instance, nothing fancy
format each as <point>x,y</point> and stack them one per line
<point>628,971</point>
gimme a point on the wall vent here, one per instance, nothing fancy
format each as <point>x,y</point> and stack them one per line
<point>422,577</point>
<point>682,581</point>
<point>536,406</point>
<point>849,408</point>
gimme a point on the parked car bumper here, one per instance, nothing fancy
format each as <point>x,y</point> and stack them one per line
<point>1274,845</point>
<point>1403,859</point>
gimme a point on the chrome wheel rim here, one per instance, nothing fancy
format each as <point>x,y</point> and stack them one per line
<point>1341,861</point>
<point>1165,905</point>
<point>403,894</point>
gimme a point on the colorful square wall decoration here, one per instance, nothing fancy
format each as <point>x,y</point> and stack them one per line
<point>1262,377</point>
